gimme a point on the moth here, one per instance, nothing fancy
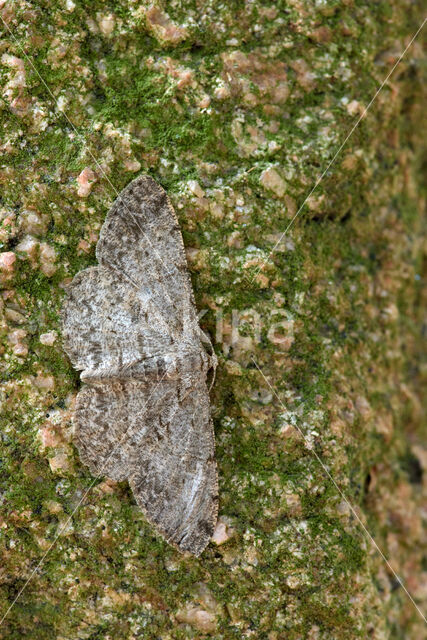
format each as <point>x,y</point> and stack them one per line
<point>130,326</point>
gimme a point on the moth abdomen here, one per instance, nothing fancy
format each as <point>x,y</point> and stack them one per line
<point>156,368</point>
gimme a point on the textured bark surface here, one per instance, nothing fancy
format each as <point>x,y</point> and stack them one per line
<point>236,109</point>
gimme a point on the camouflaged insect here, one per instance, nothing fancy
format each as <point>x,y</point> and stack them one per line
<point>130,325</point>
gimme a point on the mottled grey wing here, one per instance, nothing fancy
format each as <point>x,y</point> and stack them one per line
<point>107,326</point>
<point>163,444</point>
<point>139,301</point>
<point>141,240</point>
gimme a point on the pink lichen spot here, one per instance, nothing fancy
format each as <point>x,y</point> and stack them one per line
<point>270,179</point>
<point>16,336</point>
<point>132,165</point>
<point>47,259</point>
<point>162,26</point>
<point>7,260</point>
<point>222,92</point>
<point>223,532</point>
<point>49,436</point>
<point>305,77</point>
<point>204,102</point>
<point>262,280</point>
<point>195,188</point>
<point>185,77</point>
<point>28,246</point>
<point>60,463</point>
<point>83,247</point>
<point>107,486</point>
<point>13,62</point>
<point>355,108</point>
<point>86,180</point>
<point>48,338</point>
<point>20,350</point>
<point>7,225</point>
<point>44,383</point>
<point>33,223</point>
<point>52,506</point>
<point>242,72</point>
<point>197,617</point>
<point>13,90</point>
<point>106,24</point>
<point>293,503</point>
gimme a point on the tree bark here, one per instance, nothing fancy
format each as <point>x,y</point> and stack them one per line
<point>296,176</point>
